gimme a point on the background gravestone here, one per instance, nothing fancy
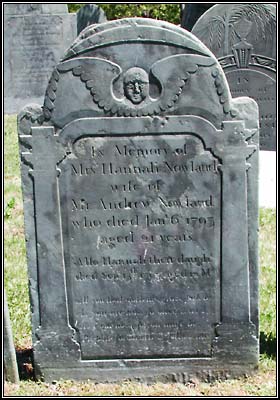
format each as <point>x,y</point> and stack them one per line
<point>191,13</point>
<point>140,187</point>
<point>243,38</point>
<point>34,8</point>
<point>89,14</point>
<point>35,37</point>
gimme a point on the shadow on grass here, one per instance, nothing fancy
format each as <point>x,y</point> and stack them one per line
<point>25,364</point>
<point>268,344</point>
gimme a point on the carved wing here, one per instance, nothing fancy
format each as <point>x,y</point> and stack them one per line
<point>172,73</point>
<point>98,75</point>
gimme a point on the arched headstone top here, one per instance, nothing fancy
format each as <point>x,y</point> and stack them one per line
<point>140,180</point>
<point>243,38</point>
<point>171,69</point>
<point>224,26</point>
<point>133,30</point>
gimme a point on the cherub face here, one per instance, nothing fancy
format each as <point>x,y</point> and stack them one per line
<point>136,85</point>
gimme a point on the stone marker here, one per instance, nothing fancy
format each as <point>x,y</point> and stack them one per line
<point>35,37</point>
<point>191,12</point>
<point>140,186</point>
<point>89,14</point>
<point>243,38</point>
<point>10,360</point>
<point>34,8</point>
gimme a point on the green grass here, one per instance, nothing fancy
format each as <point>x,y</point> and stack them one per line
<point>267,243</point>
<point>15,267</point>
<point>16,287</point>
<point>267,284</point>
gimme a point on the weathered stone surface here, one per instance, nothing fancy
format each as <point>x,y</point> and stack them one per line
<point>34,8</point>
<point>140,186</point>
<point>35,38</point>
<point>89,14</point>
<point>243,38</point>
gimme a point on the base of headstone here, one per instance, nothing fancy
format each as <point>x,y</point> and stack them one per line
<point>179,371</point>
<point>234,353</point>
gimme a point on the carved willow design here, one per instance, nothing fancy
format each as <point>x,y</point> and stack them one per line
<point>224,30</point>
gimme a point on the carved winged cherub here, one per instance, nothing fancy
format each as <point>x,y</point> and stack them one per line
<point>126,93</point>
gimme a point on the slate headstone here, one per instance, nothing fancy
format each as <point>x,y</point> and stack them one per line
<point>191,12</point>
<point>89,14</point>
<point>35,37</point>
<point>243,38</point>
<point>140,187</point>
<point>34,8</point>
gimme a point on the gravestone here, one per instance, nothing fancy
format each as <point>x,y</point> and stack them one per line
<point>35,37</point>
<point>34,8</point>
<point>140,187</point>
<point>10,361</point>
<point>89,14</point>
<point>191,12</point>
<point>243,38</point>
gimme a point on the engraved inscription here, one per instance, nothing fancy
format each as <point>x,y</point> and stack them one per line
<point>142,259</point>
<point>262,89</point>
<point>34,50</point>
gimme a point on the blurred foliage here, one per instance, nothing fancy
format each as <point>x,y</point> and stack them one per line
<point>73,8</point>
<point>165,12</point>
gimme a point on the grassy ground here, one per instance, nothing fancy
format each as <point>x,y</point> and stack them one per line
<point>15,269</point>
<point>263,383</point>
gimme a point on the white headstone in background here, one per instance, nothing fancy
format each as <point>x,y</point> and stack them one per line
<point>243,38</point>
<point>35,38</point>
